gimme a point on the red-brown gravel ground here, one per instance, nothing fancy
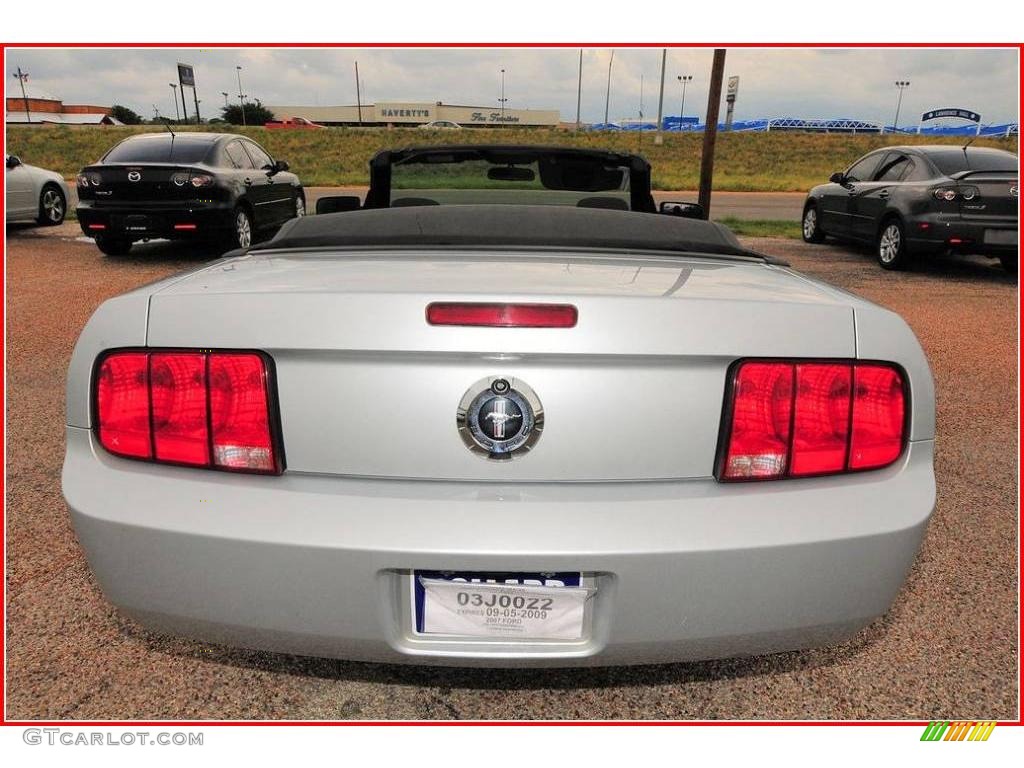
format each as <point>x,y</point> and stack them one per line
<point>947,649</point>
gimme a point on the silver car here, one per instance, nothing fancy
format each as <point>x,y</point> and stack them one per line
<point>501,435</point>
<point>33,194</point>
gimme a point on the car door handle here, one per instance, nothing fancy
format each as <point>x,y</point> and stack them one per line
<point>884,194</point>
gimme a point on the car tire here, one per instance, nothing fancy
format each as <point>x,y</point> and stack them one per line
<point>53,206</point>
<point>810,225</point>
<point>1010,263</point>
<point>243,232</point>
<point>891,245</point>
<point>113,246</point>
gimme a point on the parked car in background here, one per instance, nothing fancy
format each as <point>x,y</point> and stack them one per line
<point>292,123</point>
<point>500,433</point>
<point>33,194</point>
<point>441,125</point>
<point>214,187</point>
<point>911,201</point>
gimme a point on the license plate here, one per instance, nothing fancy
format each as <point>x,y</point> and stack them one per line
<point>526,606</point>
<point>1001,236</point>
<point>136,223</point>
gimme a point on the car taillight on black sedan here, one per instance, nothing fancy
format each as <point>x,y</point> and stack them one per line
<point>200,409</point>
<point>805,418</point>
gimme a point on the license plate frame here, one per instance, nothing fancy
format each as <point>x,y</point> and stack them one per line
<point>557,579</point>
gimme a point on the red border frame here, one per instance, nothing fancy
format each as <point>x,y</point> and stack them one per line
<point>614,723</point>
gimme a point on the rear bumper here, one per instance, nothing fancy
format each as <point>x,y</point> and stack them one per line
<point>320,566</point>
<point>171,221</point>
<point>942,232</point>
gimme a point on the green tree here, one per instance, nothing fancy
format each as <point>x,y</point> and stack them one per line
<point>125,115</point>
<point>255,114</point>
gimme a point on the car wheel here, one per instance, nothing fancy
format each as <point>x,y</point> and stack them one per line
<point>1009,263</point>
<point>52,206</point>
<point>811,228</point>
<point>891,248</point>
<point>112,246</point>
<point>241,234</point>
<point>300,207</point>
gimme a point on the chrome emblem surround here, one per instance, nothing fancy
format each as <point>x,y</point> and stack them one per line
<point>134,175</point>
<point>500,418</point>
<point>1014,191</point>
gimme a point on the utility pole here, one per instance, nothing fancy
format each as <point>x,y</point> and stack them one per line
<point>579,91</point>
<point>661,95</point>
<point>195,98</point>
<point>225,95</point>
<point>22,77</point>
<point>174,90</point>
<point>241,96</point>
<point>901,85</point>
<point>707,160</point>
<point>359,96</point>
<point>608,90</point>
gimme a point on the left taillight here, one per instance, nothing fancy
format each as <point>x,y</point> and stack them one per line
<point>805,418</point>
<point>192,408</point>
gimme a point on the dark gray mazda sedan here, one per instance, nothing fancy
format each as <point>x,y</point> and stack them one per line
<point>911,201</point>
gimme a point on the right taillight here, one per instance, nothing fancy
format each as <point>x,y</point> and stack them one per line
<point>201,409</point>
<point>806,418</point>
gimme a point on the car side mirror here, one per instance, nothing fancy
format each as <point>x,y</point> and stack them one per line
<point>686,210</point>
<point>13,161</point>
<point>338,203</point>
<point>837,178</point>
<point>280,165</point>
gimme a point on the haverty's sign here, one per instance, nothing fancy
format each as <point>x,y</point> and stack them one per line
<point>407,112</point>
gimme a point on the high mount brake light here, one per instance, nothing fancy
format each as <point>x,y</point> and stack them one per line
<point>804,418</point>
<point>200,409</point>
<point>502,315</point>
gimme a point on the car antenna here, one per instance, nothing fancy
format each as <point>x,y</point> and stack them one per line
<point>167,125</point>
<point>969,142</point>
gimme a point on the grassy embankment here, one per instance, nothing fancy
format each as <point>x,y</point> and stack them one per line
<point>745,162</point>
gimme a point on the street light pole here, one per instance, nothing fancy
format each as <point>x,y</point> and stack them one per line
<point>684,79</point>
<point>502,100</point>
<point>901,85</point>
<point>22,77</point>
<point>241,96</point>
<point>579,91</point>
<point>174,90</point>
<point>225,95</point>
<point>661,94</point>
<point>608,90</point>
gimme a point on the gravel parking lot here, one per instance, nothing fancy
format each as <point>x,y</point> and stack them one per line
<point>947,649</point>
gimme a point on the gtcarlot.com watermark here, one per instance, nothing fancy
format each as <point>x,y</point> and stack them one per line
<point>63,737</point>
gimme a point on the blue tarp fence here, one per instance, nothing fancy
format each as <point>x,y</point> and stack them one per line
<point>675,124</point>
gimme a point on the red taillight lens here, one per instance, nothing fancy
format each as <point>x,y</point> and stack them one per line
<point>502,315</point>
<point>821,425</point>
<point>239,413</point>
<point>796,419</point>
<point>178,391</point>
<point>122,405</point>
<point>201,180</point>
<point>194,408</point>
<point>878,417</point>
<point>761,421</point>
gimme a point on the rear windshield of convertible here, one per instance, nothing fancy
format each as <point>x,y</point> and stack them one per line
<point>955,160</point>
<point>180,149</point>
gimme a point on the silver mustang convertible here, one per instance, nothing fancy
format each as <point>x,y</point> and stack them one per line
<point>497,431</point>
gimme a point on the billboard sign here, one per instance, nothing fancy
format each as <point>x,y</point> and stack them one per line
<point>733,90</point>
<point>963,114</point>
<point>186,75</point>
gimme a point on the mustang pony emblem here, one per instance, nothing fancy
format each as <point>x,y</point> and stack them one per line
<point>499,418</point>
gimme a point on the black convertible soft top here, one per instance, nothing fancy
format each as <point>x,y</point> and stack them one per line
<point>505,226</point>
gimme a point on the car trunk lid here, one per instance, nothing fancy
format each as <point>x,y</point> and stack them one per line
<point>633,392</point>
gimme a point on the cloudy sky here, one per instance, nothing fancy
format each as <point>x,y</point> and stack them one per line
<point>773,83</point>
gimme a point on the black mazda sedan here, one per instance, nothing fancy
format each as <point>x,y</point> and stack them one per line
<point>215,187</point>
<point>910,201</point>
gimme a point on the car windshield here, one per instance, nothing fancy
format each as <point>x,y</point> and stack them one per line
<point>458,179</point>
<point>176,149</point>
<point>956,160</point>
